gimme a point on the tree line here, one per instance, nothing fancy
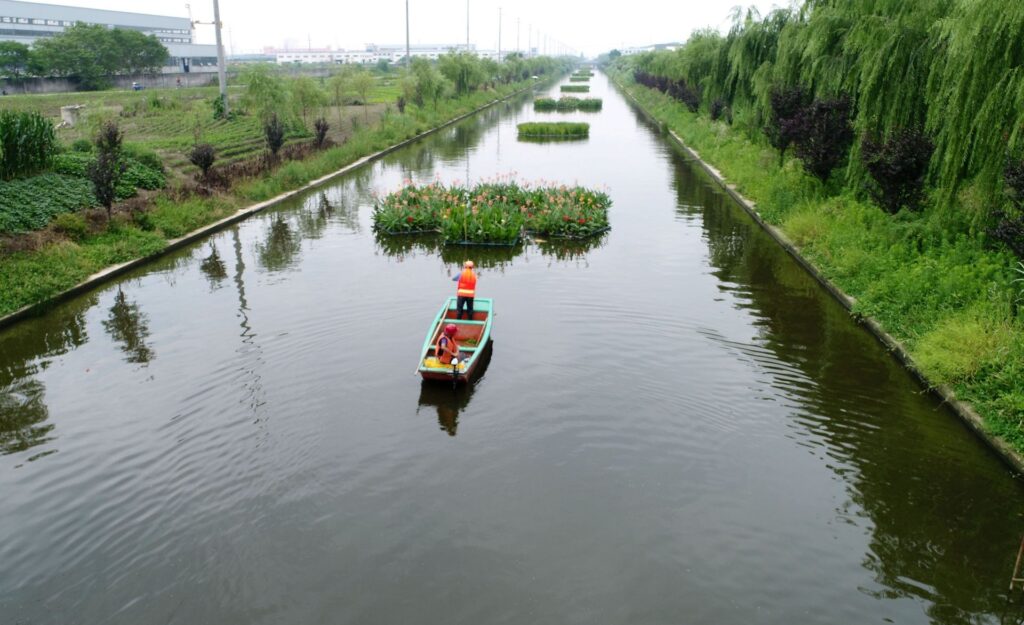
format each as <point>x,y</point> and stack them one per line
<point>887,96</point>
<point>87,54</point>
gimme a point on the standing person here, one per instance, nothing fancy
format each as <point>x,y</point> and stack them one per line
<point>466,289</point>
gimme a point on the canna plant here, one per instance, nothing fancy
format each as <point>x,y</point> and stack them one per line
<point>493,213</point>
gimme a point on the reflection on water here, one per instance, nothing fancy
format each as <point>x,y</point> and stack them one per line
<point>934,535</point>
<point>402,247</point>
<point>764,461</point>
<point>281,247</point>
<point>451,401</point>
<point>128,325</point>
<point>213,267</point>
<point>23,416</point>
<point>27,350</point>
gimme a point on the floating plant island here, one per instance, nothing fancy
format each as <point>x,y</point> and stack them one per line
<point>493,213</point>
<point>554,130</point>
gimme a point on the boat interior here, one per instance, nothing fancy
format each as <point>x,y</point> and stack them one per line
<point>469,334</point>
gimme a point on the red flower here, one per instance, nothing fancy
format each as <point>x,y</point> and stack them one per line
<point>565,218</point>
<point>409,219</point>
<point>582,220</point>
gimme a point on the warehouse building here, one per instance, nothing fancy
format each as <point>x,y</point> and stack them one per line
<point>26,22</point>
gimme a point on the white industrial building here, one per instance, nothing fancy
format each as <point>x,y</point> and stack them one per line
<point>26,22</point>
<point>371,54</point>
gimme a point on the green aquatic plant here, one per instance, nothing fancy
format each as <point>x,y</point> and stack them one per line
<point>556,130</point>
<point>492,213</point>
<point>545,104</point>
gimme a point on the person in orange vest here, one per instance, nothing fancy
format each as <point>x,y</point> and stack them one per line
<point>446,348</point>
<point>466,290</point>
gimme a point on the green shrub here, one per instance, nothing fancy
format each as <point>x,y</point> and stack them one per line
<point>146,156</point>
<point>72,225</point>
<point>72,164</point>
<point>141,176</point>
<point>590,104</point>
<point>81,145</point>
<point>27,143</point>
<point>136,175</point>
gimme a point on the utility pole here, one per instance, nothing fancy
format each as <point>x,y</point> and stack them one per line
<point>408,59</point>
<point>467,35</point>
<point>222,71</point>
<point>517,35</point>
<point>499,34</point>
<point>529,41</point>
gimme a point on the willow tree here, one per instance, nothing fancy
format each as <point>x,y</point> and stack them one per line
<point>977,93</point>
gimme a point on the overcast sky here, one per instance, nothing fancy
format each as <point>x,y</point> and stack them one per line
<point>585,26</point>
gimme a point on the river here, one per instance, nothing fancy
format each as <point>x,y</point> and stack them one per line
<point>676,425</point>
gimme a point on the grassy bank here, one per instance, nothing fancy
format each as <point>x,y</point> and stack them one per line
<point>943,291</point>
<point>35,276</point>
<point>169,121</point>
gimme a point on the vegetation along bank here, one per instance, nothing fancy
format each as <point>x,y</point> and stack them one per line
<point>887,142</point>
<point>143,168</point>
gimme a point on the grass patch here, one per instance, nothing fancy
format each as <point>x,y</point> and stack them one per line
<point>961,345</point>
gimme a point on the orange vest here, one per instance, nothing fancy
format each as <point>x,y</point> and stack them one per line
<point>446,354</point>
<point>467,283</point>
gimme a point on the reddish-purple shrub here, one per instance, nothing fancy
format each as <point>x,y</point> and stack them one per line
<point>897,167</point>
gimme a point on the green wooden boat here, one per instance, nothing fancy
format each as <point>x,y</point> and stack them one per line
<point>473,337</point>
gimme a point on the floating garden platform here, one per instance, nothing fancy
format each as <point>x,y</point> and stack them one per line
<point>554,130</point>
<point>575,88</point>
<point>567,104</point>
<point>493,213</point>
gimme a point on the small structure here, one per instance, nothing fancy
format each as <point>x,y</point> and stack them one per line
<point>69,115</point>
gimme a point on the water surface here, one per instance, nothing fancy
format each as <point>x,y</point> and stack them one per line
<point>677,425</point>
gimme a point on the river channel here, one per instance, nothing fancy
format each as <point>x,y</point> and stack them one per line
<point>677,425</point>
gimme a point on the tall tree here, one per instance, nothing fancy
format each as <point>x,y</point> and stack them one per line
<point>13,59</point>
<point>265,93</point>
<point>91,54</point>
<point>362,83</point>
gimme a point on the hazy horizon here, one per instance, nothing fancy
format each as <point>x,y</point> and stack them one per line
<point>250,26</point>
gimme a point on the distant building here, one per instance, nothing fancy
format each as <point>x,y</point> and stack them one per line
<point>371,54</point>
<point>27,22</point>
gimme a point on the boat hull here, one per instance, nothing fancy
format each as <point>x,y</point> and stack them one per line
<point>472,335</point>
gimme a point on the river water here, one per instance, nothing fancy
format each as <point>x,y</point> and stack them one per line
<point>677,425</point>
